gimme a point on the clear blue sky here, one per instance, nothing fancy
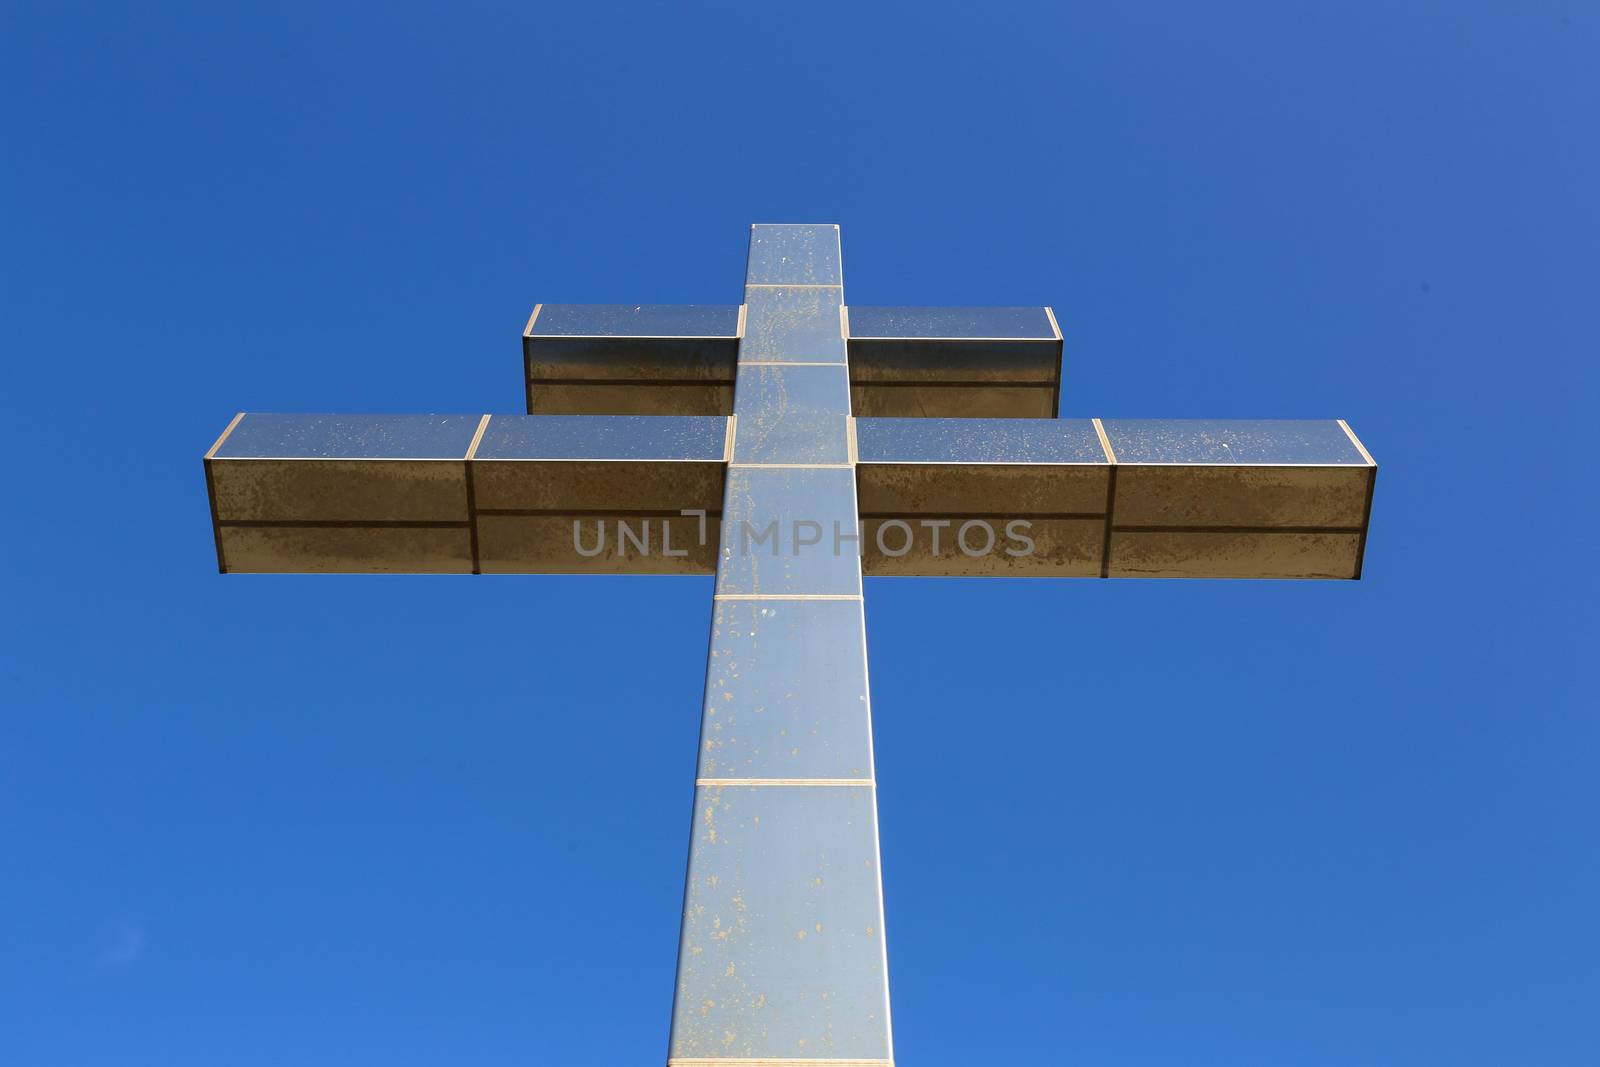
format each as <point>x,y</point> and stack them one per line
<point>424,821</point>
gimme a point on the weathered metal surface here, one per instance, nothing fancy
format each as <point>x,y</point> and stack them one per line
<point>786,691</point>
<point>1212,498</point>
<point>915,362</point>
<point>792,413</point>
<point>463,493</point>
<point>793,254</point>
<point>1155,498</point>
<point>794,324</point>
<point>782,954</point>
<point>631,359</point>
<point>360,493</point>
<point>1230,442</point>
<point>618,359</point>
<point>779,531</point>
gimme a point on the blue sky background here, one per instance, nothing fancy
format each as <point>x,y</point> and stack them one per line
<point>421,821</point>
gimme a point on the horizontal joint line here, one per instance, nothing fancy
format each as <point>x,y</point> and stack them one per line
<point>634,382</point>
<point>907,516</point>
<point>819,1062</point>
<point>1115,528</point>
<point>792,363</point>
<point>963,339</point>
<point>589,513</point>
<point>962,383</point>
<point>678,1062</point>
<point>634,336</point>
<point>794,285</point>
<point>804,466</point>
<point>786,596</point>
<point>852,782</point>
<point>346,524</point>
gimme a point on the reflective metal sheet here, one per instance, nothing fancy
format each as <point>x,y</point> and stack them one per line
<point>999,490</point>
<point>308,436</point>
<point>338,490</point>
<point>793,325</point>
<point>1234,554</point>
<point>1241,496</point>
<point>978,441</point>
<point>618,358</point>
<point>952,323</point>
<point>345,549</point>
<point>786,691</point>
<point>990,546</point>
<point>956,362</point>
<point>576,486</point>
<point>1003,468</point>
<point>794,254</point>
<point>636,320</point>
<point>684,398</point>
<point>624,480</point>
<point>789,531</point>
<point>975,400</point>
<point>548,437</point>
<point>967,354</point>
<point>1275,442</point>
<point>596,543</point>
<point>782,956</point>
<point>792,414</point>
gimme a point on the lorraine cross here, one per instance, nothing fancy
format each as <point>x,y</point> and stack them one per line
<point>789,444</point>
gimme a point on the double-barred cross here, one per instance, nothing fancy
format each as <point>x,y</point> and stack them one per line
<point>789,444</point>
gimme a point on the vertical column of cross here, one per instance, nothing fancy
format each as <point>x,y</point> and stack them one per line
<point>781,956</point>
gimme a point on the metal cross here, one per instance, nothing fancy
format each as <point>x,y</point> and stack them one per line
<point>892,441</point>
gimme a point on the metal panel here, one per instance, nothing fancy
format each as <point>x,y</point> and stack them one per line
<point>792,414</point>
<point>362,493</point>
<point>1275,442</point>
<point>956,362</point>
<point>789,531</point>
<point>1199,498</point>
<point>786,691</point>
<point>598,495</point>
<point>551,437</point>
<point>793,325</point>
<point>782,956</point>
<point>682,398</point>
<point>1234,554</point>
<point>336,490</point>
<point>794,254</point>
<point>1241,496</point>
<point>588,462</point>
<point>982,497</point>
<point>624,359</point>
<point>978,441</point>
<point>964,546</point>
<point>605,542</point>
<point>324,436</point>
<point>913,362</point>
<point>953,323</point>
<point>952,400</point>
<point>637,321</point>
<point>393,549</point>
